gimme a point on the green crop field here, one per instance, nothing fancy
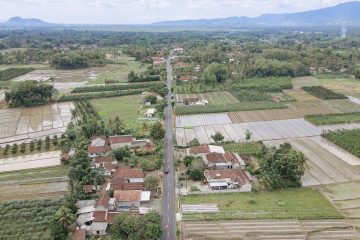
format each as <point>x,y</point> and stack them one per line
<point>302,203</point>
<point>346,139</point>
<point>243,147</point>
<point>323,93</point>
<point>337,118</point>
<point>128,108</point>
<point>36,173</point>
<point>27,219</point>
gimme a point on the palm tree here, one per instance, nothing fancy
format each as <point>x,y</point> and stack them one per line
<point>64,217</point>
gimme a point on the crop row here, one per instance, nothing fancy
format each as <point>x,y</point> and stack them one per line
<point>115,87</point>
<point>346,139</point>
<point>323,93</point>
<point>250,95</point>
<point>246,106</point>
<point>337,118</point>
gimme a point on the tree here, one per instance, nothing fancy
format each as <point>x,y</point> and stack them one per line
<point>121,153</point>
<point>215,73</point>
<point>188,160</point>
<point>194,143</point>
<point>29,93</point>
<point>151,183</point>
<point>357,73</point>
<point>248,134</point>
<point>96,176</point>
<point>282,167</point>
<point>196,169</point>
<point>146,226</point>
<point>218,137</point>
<point>63,219</point>
<point>157,131</point>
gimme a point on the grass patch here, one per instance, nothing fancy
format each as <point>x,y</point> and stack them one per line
<point>243,147</point>
<point>246,106</point>
<point>346,139</point>
<point>337,118</point>
<point>333,75</point>
<point>127,107</point>
<point>28,219</point>
<point>302,203</point>
<point>323,93</point>
<point>36,173</point>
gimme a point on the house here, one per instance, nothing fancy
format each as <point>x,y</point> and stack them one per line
<point>223,160</point>
<point>121,141</point>
<point>109,168</point>
<point>195,101</point>
<point>202,150</point>
<point>182,65</point>
<point>131,175</point>
<point>186,78</point>
<point>150,113</point>
<point>178,50</point>
<point>89,188</point>
<point>158,61</point>
<point>158,97</point>
<point>229,179</point>
<point>103,202</point>
<point>65,157</point>
<point>97,161</point>
<point>130,200</point>
<point>99,146</point>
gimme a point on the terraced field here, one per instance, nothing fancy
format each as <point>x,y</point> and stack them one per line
<point>270,229</point>
<point>300,82</point>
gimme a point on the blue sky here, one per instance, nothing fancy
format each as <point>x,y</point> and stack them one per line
<point>147,11</point>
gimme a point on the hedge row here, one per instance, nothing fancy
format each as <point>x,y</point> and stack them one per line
<point>115,87</point>
<point>92,95</point>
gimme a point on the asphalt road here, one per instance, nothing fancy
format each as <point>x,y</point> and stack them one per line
<point>168,197</point>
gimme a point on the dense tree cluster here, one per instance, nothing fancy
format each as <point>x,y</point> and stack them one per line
<point>76,60</point>
<point>29,93</point>
<point>282,167</point>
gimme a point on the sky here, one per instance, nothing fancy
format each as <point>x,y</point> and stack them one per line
<point>148,11</point>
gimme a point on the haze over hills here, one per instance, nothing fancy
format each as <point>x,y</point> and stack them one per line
<point>345,14</point>
<point>339,15</point>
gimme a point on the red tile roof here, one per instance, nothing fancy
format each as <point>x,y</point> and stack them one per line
<point>100,215</point>
<point>236,175</point>
<point>111,216</point>
<point>104,159</point>
<point>246,158</point>
<point>121,139</point>
<point>186,78</point>
<point>79,234</point>
<point>119,184</point>
<point>108,166</point>
<point>127,196</point>
<point>98,149</point>
<point>126,173</point>
<point>203,149</point>
<point>88,188</point>
<point>103,201</point>
<point>221,158</point>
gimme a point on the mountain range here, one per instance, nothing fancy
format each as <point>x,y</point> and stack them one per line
<point>339,15</point>
<point>345,14</point>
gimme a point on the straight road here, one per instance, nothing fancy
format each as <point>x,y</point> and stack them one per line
<point>168,199</point>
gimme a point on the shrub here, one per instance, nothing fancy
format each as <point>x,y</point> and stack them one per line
<point>39,144</point>
<point>31,146</point>
<point>14,148</point>
<point>23,148</point>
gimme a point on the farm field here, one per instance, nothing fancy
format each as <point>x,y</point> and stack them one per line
<point>271,229</point>
<point>243,147</point>
<point>36,66</point>
<point>323,93</point>
<point>60,171</point>
<point>261,131</point>
<point>22,124</point>
<point>343,105</point>
<point>337,118</point>
<point>300,82</point>
<point>214,98</point>
<point>345,196</point>
<point>128,108</point>
<point>324,165</point>
<point>347,86</point>
<point>346,139</point>
<point>291,203</point>
<point>300,95</point>
<point>45,159</point>
<point>28,219</point>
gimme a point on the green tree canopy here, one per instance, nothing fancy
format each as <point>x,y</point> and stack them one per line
<point>282,167</point>
<point>29,93</point>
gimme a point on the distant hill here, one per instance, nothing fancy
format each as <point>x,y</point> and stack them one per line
<point>339,15</point>
<point>26,22</point>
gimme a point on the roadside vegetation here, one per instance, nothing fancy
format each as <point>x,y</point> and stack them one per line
<point>337,118</point>
<point>346,139</point>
